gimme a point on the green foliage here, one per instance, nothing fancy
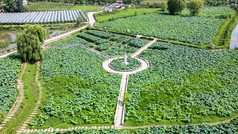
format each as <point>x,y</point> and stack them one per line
<point>48,6</point>
<point>10,67</point>
<point>86,8</point>
<point>79,90</point>
<point>183,85</point>
<point>195,5</point>
<point>176,6</point>
<point>102,17</point>
<point>28,43</point>
<point>228,127</point>
<point>214,12</point>
<point>110,43</point>
<point>197,30</point>
<point>164,6</point>
<point>223,36</point>
<point>4,44</point>
<point>127,97</point>
<point>13,6</point>
<point>79,20</point>
<point>119,65</point>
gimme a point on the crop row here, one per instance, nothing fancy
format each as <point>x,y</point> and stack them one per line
<point>183,85</point>
<point>198,30</point>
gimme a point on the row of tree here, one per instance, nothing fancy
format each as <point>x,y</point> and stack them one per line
<point>13,6</point>
<point>177,6</point>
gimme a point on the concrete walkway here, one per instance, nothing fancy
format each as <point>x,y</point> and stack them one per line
<point>119,114</point>
<point>92,21</point>
<point>120,109</point>
<point>143,48</point>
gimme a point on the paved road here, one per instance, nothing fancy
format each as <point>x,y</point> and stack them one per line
<point>91,17</point>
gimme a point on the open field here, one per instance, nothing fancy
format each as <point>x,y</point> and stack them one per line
<point>169,84</point>
<point>124,13</point>
<point>198,30</point>
<point>86,8</point>
<point>79,91</point>
<point>48,6</point>
<point>183,86</point>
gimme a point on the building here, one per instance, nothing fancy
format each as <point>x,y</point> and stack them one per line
<point>118,5</point>
<point>24,2</point>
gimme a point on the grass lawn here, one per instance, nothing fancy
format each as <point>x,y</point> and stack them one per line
<point>48,6</point>
<point>87,8</point>
<point>124,13</point>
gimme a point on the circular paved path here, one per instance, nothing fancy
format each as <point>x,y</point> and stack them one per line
<point>144,65</point>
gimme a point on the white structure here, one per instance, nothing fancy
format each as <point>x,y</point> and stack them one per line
<point>115,6</point>
<point>234,39</point>
<point>24,2</point>
<point>125,60</point>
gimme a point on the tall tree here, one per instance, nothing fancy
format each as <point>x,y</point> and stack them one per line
<point>194,6</point>
<point>29,43</point>
<point>10,5</point>
<point>176,6</point>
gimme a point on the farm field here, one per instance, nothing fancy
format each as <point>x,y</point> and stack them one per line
<point>48,6</point>
<point>102,17</point>
<point>183,86</point>
<point>79,91</point>
<point>10,68</point>
<point>86,8</point>
<point>197,30</point>
<point>178,78</point>
<point>108,43</point>
<point>211,12</point>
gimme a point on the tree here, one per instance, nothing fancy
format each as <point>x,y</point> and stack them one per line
<point>9,6</point>
<point>4,44</point>
<point>176,6</point>
<point>164,6</point>
<point>78,21</point>
<point>13,6</point>
<point>194,6</point>
<point>29,43</point>
<point>19,6</point>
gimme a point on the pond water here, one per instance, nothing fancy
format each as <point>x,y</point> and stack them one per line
<point>8,35</point>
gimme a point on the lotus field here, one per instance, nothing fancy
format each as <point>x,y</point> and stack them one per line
<point>79,91</point>
<point>10,68</point>
<point>183,85</point>
<point>41,17</point>
<point>197,30</point>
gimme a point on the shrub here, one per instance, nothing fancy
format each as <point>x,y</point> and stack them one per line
<point>164,6</point>
<point>194,6</point>
<point>176,6</point>
<point>4,44</point>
